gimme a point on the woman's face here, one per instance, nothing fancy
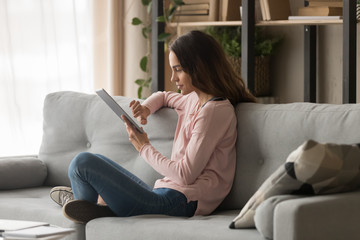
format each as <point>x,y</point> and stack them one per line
<point>179,77</point>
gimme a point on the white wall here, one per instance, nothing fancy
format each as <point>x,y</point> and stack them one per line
<point>135,46</point>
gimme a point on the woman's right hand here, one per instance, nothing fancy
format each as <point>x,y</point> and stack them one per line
<point>139,111</point>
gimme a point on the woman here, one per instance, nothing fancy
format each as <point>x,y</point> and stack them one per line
<point>200,172</point>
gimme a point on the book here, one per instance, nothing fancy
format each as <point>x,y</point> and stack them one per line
<point>320,11</point>
<point>276,9</point>
<point>194,6</point>
<point>266,9</point>
<point>279,9</point>
<point>193,11</point>
<point>230,10</point>
<point>315,17</point>
<point>191,18</point>
<point>327,4</point>
<point>258,11</point>
<point>11,225</point>
<point>38,232</point>
<point>324,1</point>
<point>262,6</point>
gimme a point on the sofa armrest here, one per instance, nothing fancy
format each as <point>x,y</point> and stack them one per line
<point>329,217</point>
<point>21,172</point>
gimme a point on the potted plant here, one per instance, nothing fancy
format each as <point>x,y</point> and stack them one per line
<point>265,46</point>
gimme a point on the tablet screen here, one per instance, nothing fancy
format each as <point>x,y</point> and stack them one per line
<point>116,108</point>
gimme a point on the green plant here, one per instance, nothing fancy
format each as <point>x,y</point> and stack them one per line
<point>230,40</point>
<point>146,59</point>
<point>169,11</point>
<point>167,17</point>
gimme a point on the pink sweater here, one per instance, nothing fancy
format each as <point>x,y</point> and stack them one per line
<point>202,164</point>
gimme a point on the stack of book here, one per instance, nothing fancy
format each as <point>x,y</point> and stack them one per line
<point>275,9</point>
<point>14,229</point>
<point>322,8</point>
<point>197,11</point>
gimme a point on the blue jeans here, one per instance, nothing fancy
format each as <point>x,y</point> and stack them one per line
<point>125,194</point>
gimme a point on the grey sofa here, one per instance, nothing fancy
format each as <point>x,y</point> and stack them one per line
<point>77,122</point>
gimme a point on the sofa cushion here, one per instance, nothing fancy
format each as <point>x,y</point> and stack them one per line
<point>313,168</point>
<point>264,215</point>
<point>21,172</point>
<point>278,183</point>
<point>157,227</point>
<point>77,122</point>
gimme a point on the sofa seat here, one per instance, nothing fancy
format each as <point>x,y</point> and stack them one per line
<point>159,227</point>
<point>34,204</point>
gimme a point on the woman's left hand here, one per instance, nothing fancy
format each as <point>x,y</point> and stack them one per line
<point>137,139</point>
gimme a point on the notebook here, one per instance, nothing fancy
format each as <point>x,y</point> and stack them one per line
<point>38,232</point>
<point>12,225</point>
<point>116,108</point>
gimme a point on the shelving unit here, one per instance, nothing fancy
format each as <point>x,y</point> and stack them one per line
<point>310,37</point>
<point>180,26</point>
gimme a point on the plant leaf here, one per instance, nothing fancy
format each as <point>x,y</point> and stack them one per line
<point>140,82</point>
<point>136,21</point>
<point>139,92</point>
<point>163,36</point>
<point>143,63</point>
<point>149,8</point>
<point>160,19</point>
<point>144,32</point>
<point>146,2</point>
<point>179,2</point>
<point>147,83</point>
<point>172,10</point>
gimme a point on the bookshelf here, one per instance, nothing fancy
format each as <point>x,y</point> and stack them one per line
<point>260,23</point>
<point>248,24</point>
<point>181,26</point>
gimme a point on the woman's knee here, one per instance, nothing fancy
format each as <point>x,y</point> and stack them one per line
<point>82,160</point>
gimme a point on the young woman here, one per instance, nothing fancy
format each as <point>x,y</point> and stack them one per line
<point>200,172</point>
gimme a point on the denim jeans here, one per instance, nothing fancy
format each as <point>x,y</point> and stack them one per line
<point>124,193</point>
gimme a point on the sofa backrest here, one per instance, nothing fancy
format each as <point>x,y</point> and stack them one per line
<point>268,133</point>
<point>77,122</point>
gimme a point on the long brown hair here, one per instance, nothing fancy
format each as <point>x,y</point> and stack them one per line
<point>203,58</point>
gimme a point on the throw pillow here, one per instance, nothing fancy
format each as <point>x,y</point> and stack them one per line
<point>21,172</point>
<point>313,168</point>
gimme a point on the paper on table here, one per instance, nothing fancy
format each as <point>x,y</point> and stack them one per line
<point>38,232</point>
<point>10,225</point>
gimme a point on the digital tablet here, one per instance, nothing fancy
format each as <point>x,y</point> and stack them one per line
<point>116,108</point>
